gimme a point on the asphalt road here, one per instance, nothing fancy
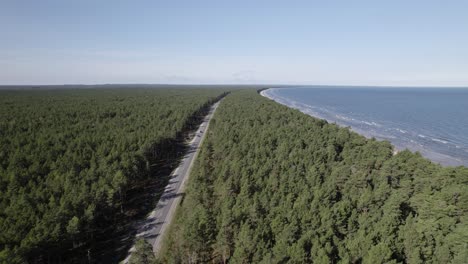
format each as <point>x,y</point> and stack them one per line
<point>155,225</point>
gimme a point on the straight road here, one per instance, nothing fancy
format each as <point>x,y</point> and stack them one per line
<point>152,229</point>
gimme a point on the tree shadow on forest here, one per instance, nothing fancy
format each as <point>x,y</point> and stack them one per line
<point>115,230</point>
<point>143,197</point>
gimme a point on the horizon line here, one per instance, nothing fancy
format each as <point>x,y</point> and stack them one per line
<point>274,85</point>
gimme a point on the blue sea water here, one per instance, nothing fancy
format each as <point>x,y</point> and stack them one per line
<point>433,121</point>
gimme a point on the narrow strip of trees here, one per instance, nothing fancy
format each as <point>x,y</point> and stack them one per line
<point>273,185</point>
<point>70,158</point>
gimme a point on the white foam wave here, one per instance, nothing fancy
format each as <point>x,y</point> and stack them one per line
<point>439,140</point>
<point>371,123</point>
<point>401,130</point>
<point>344,117</point>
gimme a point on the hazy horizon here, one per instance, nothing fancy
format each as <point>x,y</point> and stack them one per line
<point>266,85</point>
<point>364,43</point>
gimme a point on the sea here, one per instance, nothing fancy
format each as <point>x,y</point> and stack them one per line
<point>431,121</point>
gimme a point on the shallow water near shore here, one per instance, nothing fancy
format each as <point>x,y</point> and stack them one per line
<point>433,121</point>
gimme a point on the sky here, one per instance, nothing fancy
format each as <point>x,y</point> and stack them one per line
<point>394,43</point>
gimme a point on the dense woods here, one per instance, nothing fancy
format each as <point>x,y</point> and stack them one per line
<point>273,185</point>
<point>71,160</point>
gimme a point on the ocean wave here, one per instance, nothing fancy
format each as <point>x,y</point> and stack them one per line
<point>401,130</point>
<point>371,123</point>
<point>439,140</point>
<point>343,117</point>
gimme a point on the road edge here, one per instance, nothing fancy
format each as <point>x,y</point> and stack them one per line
<point>159,240</point>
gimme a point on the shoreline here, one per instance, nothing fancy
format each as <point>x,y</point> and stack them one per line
<point>433,156</point>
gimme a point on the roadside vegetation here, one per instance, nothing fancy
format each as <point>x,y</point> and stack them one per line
<point>273,185</point>
<point>76,164</point>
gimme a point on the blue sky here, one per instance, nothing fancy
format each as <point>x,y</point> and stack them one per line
<point>297,42</point>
